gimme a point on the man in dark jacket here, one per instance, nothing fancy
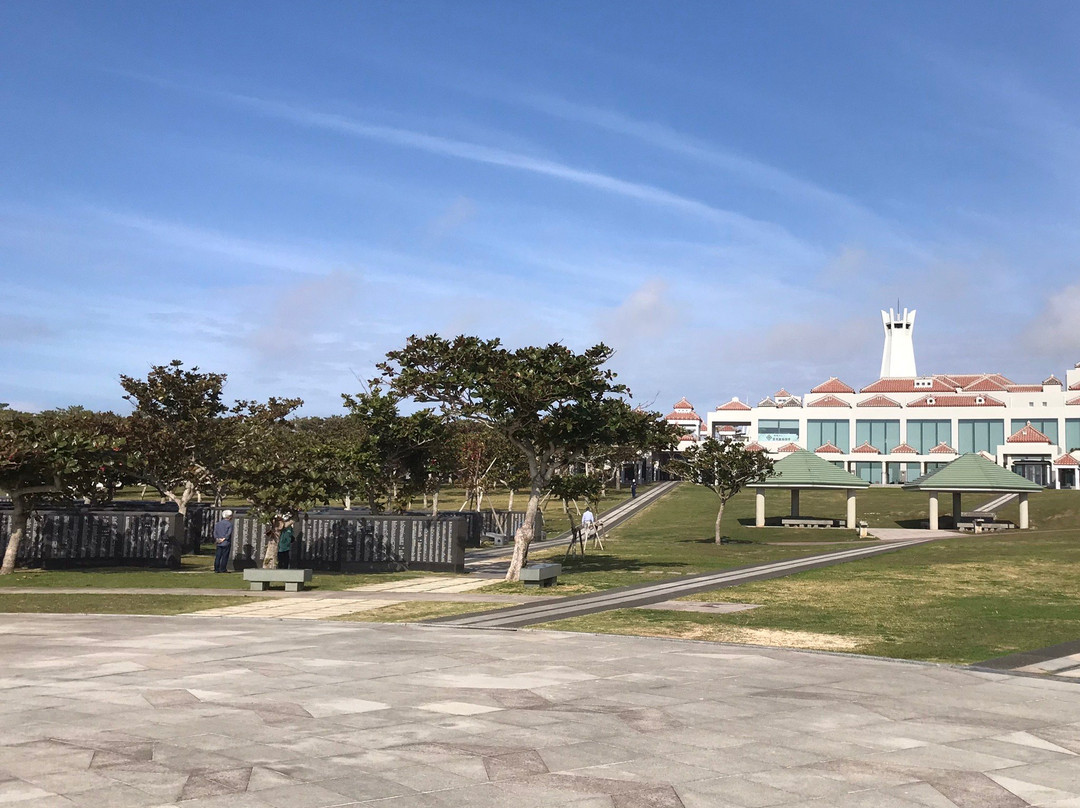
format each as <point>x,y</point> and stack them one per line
<point>285,543</point>
<point>223,533</point>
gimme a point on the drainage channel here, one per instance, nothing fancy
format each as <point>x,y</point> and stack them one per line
<point>646,594</point>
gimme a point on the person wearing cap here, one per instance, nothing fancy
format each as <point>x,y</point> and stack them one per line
<point>285,542</point>
<point>223,533</point>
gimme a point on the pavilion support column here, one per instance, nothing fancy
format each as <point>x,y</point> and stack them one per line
<point>1023,511</point>
<point>759,508</point>
<point>851,515</point>
<point>794,501</point>
<point>933,510</point>
<point>956,506</point>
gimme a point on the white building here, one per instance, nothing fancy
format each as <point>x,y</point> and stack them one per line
<point>903,425</point>
<point>691,425</point>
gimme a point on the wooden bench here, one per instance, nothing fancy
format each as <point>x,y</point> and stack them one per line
<point>543,575</point>
<point>294,580</point>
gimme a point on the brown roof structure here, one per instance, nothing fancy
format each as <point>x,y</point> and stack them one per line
<point>1027,434</point>
<point>878,401</point>
<point>833,385</point>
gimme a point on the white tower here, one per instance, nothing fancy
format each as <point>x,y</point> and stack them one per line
<point>898,358</point>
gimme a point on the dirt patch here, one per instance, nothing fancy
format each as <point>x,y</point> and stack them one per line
<point>766,636</point>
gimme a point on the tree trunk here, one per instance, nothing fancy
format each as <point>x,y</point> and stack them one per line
<point>273,532</point>
<point>19,517</point>
<point>719,516</point>
<point>524,536</point>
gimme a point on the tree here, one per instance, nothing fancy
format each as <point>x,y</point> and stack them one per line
<point>724,467</point>
<point>55,457</point>
<point>549,402</point>
<point>177,431</point>
<point>393,455</point>
<point>571,487</point>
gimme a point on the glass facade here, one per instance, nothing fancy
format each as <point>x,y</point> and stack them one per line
<point>882,435</point>
<point>1072,434</point>
<point>925,435</point>
<point>980,436</point>
<point>871,472</point>
<point>779,431</point>
<point>1048,426</point>
<point>896,473</point>
<point>838,433</point>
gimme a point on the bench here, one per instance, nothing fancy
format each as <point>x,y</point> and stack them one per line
<point>294,580</point>
<point>806,521</point>
<point>540,574</point>
<point>498,539</point>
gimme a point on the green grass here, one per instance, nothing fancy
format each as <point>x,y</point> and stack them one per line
<point>196,572</point>
<point>674,536</point>
<point>120,603</point>
<point>959,600</point>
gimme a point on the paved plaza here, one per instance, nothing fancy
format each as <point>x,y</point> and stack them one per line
<point>103,711</point>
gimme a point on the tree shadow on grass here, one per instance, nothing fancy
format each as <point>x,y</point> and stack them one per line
<point>609,563</point>
<point>711,540</point>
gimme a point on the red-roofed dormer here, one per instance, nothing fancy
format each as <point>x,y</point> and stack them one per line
<point>1067,460</point>
<point>683,404</point>
<point>943,448</point>
<point>734,404</point>
<point>789,447</point>
<point>1052,381</point>
<point>833,385</point>
<point>1027,434</point>
<point>865,448</point>
<point>904,448</point>
<point>1073,401</point>
<point>829,448</point>
<point>754,447</point>
<point>828,401</point>
<point>957,400</point>
<point>878,401</point>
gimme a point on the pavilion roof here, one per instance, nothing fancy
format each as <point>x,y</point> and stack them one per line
<point>973,472</point>
<point>803,469</point>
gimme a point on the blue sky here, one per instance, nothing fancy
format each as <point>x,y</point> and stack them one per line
<point>726,193</point>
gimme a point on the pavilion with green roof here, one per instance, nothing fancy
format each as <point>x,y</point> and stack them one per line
<point>975,474</point>
<point>805,470</point>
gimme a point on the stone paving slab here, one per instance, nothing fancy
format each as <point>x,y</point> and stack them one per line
<point>455,584</point>
<point>297,609</point>
<point>164,712</point>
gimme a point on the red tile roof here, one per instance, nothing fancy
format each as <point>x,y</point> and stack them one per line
<point>833,385</point>
<point>1053,380</point>
<point>1024,388</point>
<point>754,447</point>
<point>1067,460</point>
<point>791,402</point>
<point>733,405</point>
<point>878,401</point>
<point>828,448</point>
<point>781,393</point>
<point>943,448</point>
<point>789,447</point>
<point>1027,434</point>
<point>827,401</point>
<point>726,428</point>
<point>907,385</point>
<point>904,448</point>
<point>683,404</point>
<point>956,400</point>
<point>987,384</point>
<point>1075,386</point>
<point>687,437</point>
<point>866,448</point>
<point>766,402</point>
<point>682,416</point>
<point>1073,400</point>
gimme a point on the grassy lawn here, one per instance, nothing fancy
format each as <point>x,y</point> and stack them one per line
<point>958,600</point>
<point>674,536</point>
<point>55,603</point>
<point>418,611</point>
<point>196,572</point>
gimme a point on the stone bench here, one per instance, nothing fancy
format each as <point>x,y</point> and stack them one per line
<point>294,580</point>
<point>540,574</point>
<point>806,521</point>
<point>498,539</point>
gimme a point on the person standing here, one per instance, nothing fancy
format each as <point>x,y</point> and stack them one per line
<point>285,543</point>
<point>633,488</point>
<point>223,534</point>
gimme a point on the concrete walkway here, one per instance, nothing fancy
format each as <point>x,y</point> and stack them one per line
<point>179,712</point>
<point>907,534</point>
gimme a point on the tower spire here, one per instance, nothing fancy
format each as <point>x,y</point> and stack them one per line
<point>898,356</point>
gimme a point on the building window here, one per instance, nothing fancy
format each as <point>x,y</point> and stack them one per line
<point>882,435</point>
<point>778,431</point>
<point>838,433</point>
<point>980,436</point>
<point>925,435</point>
<point>871,472</point>
<point>1048,426</point>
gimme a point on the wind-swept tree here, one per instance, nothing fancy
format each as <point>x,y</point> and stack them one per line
<point>549,402</point>
<point>725,467</point>
<point>177,433</point>
<point>55,457</point>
